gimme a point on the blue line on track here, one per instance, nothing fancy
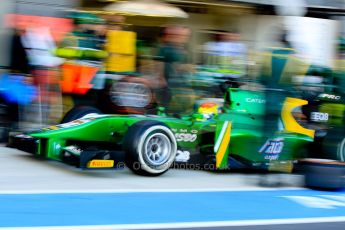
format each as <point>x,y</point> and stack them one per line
<point>32,210</point>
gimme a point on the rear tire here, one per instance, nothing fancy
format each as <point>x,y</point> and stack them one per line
<point>333,145</point>
<point>79,112</point>
<point>341,150</point>
<point>150,148</point>
<point>324,174</point>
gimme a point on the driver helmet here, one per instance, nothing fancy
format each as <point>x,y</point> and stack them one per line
<point>208,110</point>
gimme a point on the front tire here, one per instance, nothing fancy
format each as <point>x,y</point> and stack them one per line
<point>79,112</point>
<point>150,148</point>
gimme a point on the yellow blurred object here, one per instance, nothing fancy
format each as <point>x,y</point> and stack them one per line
<point>121,46</point>
<point>121,42</point>
<point>280,166</point>
<point>340,64</point>
<point>120,63</point>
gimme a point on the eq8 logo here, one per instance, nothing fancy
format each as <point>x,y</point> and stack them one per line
<point>272,148</point>
<point>322,117</point>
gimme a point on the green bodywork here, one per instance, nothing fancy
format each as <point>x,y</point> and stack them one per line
<point>243,109</point>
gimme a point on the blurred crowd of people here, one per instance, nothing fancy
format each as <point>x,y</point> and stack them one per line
<point>76,65</point>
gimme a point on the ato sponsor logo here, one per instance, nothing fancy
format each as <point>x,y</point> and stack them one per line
<point>272,148</point>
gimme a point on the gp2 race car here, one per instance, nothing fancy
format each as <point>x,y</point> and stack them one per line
<point>151,144</point>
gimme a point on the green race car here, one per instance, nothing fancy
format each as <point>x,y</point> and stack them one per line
<point>151,144</point>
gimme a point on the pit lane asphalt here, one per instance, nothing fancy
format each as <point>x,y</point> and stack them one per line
<point>27,182</point>
<point>21,171</point>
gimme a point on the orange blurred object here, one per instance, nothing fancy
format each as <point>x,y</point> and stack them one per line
<point>76,78</point>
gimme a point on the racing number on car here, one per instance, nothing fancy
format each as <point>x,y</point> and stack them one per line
<point>182,156</point>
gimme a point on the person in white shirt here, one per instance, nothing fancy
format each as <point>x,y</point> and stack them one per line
<point>39,46</point>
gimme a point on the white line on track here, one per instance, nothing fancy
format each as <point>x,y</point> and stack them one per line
<point>189,224</point>
<point>9,192</point>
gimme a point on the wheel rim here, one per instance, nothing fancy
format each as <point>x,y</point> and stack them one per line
<point>157,149</point>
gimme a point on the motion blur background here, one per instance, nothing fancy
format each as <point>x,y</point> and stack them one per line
<point>134,56</point>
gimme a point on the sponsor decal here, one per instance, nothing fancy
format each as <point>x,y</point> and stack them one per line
<point>272,148</point>
<point>182,156</point>
<point>100,164</point>
<point>185,131</point>
<point>317,116</point>
<point>255,100</point>
<point>73,149</point>
<point>330,96</point>
<point>71,123</point>
<point>184,135</point>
